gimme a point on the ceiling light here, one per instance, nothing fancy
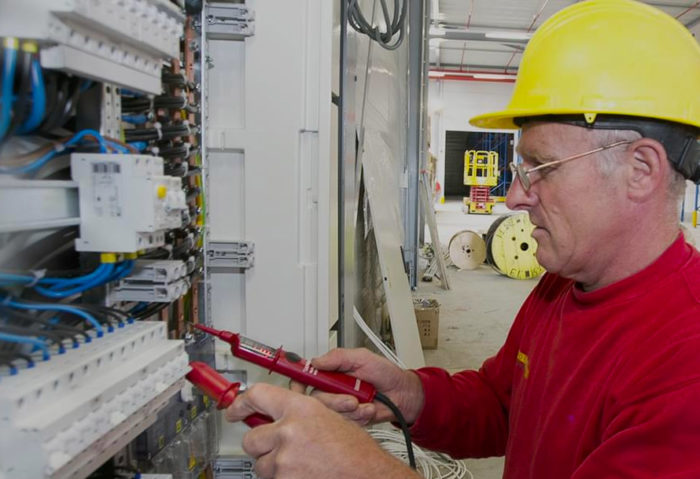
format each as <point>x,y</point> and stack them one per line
<point>437,32</point>
<point>436,74</point>
<point>493,76</point>
<point>508,35</point>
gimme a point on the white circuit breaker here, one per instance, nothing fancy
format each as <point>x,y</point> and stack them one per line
<point>82,406</point>
<point>118,41</point>
<point>126,202</point>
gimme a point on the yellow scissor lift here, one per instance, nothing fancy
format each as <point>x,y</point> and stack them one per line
<point>480,174</point>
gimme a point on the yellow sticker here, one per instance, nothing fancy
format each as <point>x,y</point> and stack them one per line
<point>178,426</point>
<point>193,412</point>
<point>523,359</point>
<point>205,399</point>
<point>192,463</point>
<point>161,441</point>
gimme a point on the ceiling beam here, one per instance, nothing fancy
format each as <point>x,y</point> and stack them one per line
<point>477,37</point>
<point>473,66</point>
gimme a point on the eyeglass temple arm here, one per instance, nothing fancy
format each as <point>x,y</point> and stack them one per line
<point>577,156</point>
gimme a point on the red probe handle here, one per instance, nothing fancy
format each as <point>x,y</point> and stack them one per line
<point>220,390</point>
<point>293,366</point>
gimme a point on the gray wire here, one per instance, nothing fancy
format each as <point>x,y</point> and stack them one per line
<point>395,23</point>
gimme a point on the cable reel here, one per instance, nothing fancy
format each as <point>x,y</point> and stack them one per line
<point>510,248</point>
<point>467,249</point>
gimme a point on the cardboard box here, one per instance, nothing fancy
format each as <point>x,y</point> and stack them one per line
<point>428,318</point>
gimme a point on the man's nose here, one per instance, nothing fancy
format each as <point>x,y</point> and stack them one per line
<point>517,198</point>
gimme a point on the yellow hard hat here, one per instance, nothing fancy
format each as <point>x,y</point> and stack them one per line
<point>609,57</point>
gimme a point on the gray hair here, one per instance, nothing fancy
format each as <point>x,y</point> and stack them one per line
<point>607,161</point>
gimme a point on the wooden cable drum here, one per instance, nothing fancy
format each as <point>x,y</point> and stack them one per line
<point>510,248</point>
<point>467,249</point>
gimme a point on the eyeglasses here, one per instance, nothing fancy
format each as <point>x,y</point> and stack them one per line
<point>523,174</point>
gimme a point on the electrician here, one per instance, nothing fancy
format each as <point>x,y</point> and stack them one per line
<point>600,373</point>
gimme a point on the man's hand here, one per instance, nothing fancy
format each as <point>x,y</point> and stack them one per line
<point>309,440</point>
<point>402,387</point>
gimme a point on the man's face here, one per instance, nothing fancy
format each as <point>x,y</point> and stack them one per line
<point>572,205</point>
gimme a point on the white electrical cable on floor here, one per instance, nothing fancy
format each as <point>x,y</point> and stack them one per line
<point>432,465</point>
<point>383,348</point>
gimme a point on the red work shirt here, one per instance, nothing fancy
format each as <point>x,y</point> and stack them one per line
<point>588,384</point>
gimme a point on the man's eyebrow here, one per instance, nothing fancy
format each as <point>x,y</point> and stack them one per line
<point>534,158</point>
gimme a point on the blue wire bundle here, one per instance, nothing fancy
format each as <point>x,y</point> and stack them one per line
<point>75,140</point>
<point>64,287</point>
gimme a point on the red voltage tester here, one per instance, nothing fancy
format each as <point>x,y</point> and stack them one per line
<point>288,364</point>
<point>293,366</point>
<point>220,390</point>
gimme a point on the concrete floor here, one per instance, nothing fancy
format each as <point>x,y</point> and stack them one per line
<point>475,314</point>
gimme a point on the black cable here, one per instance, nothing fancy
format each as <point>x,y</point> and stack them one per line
<point>26,317</point>
<point>167,132</point>
<point>151,309</point>
<point>51,121</point>
<point>158,253</point>
<point>176,80</point>
<point>402,422</point>
<point>96,310</point>
<point>71,101</point>
<point>53,336</point>
<point>50,84</point>
<point>177,150</point>
<point>395,24</point>
<point>18,355</point>
<point>136,104</point>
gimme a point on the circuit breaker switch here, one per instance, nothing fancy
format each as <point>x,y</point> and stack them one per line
<point>126,202</point>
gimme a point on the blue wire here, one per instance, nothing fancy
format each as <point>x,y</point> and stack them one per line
<point>58,282</point>
<point>126,92</point>
<point>118,147</point>
<point>55,307</point>
<point>38,99</point>
<point>48,156</point>
<point>139,145</point>
<point>81,134</point>
<point>57,291</point>
<point>14,338</point>
<point>8,80</point>
<point>138,308</point>
<point>135,119</point>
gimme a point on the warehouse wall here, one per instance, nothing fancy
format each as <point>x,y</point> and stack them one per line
<point>451,104</point>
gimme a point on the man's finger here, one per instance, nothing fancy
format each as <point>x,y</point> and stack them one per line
<point>266,466</point>
<point>263,398</point>
<point>342,360</point>
<point>338,402</point>
<point>260,440</point>
<point>297,387</point>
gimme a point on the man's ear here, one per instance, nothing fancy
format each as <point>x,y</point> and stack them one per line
<point>647,167</point>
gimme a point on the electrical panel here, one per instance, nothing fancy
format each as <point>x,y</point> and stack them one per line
<point>102,241</point>
<point>142,194</point>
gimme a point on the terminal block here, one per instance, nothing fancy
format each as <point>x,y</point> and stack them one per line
<point>154,281</point>
<point>66,416</point>
<point>126,202</point>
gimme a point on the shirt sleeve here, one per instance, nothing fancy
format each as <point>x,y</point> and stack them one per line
<point>466,414</point>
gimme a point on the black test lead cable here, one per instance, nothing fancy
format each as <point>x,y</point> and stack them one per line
<point>402,422</point>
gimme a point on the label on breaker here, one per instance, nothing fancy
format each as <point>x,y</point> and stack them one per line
<point>106,189</point>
